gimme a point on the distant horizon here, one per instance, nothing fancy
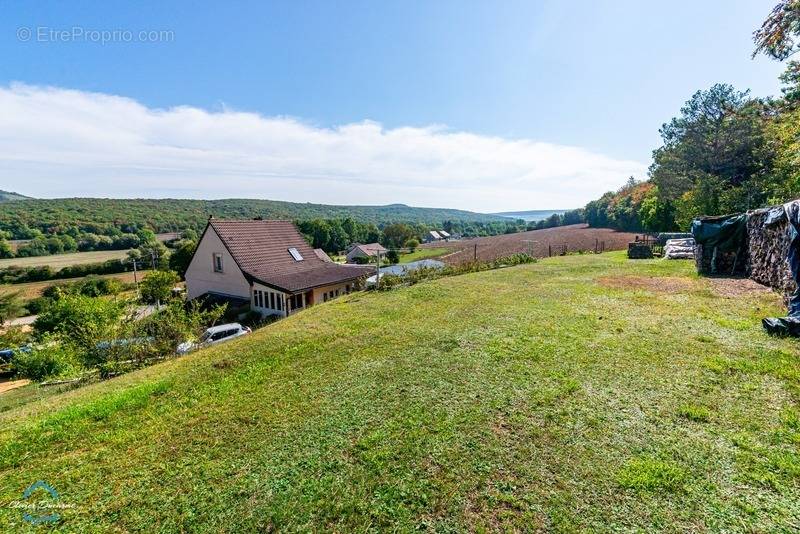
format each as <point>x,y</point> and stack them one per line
<point>501,213</point>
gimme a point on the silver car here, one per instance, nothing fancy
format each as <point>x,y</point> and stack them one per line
<point>214,335</point>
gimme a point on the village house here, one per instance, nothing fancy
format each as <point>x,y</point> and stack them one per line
<point>358,252</point>
<point>269,264</point>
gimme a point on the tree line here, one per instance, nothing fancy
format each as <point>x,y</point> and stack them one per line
<point>727,151</point>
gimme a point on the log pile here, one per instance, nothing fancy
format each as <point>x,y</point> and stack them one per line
<point>768,245</point>
<point>638,250</point>
<point>711,261</point>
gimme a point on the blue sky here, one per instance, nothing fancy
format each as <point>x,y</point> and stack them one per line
<point>412,102</point>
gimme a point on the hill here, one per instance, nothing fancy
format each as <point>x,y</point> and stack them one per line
<point>7,196</point>
<point>164,215</point>
<point>579,393</point>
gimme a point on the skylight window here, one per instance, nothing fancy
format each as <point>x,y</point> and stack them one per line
<point>295,254</point>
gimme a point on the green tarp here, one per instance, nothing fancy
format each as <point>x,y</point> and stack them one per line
<point>727,233</point>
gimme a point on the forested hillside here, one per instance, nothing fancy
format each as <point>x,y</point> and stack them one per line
<point>53,226</point>
<point>727,151</point>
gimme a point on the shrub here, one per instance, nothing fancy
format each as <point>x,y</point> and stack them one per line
<point>48,360</point>
<point>85,320</point>
<point>429,273</point>
<point>157,286</point>
<point>14,336</point>
<point>10,306</point>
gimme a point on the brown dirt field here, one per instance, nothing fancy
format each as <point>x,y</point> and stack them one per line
<point>576,237</point>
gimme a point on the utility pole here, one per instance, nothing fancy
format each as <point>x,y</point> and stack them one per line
<point>378,270</point>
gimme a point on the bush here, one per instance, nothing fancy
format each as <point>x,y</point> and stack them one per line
<point>85,320</point>
<point>51,359</point>
<point>429,273</point>
<point>14,336</point>
<point>157,286</point>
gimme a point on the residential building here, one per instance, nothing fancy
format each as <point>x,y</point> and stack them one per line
<point>269,263</point>
<point>364,252</point>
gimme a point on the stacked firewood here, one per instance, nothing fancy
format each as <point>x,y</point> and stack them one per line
<point>713,262</point>
<point>768,244</point>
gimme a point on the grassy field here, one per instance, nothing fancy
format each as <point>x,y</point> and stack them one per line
<point>423,253</point>
<point>32,290</point>
<point>58,261</point>
<point>578,393</point>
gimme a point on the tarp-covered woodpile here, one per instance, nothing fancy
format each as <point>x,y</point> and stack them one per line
<point>767,242</point>
<point>721,244</point>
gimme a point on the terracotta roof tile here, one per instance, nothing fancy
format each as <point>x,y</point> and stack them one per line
<point>261,249</point>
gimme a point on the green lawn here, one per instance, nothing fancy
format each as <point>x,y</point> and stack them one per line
<point>578,393</point>
<point>422,253</point>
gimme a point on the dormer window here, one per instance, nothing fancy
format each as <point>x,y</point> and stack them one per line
<point>295,254</point>
<point>217,262</point>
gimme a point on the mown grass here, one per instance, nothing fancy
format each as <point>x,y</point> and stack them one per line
<point>535,397</point>
<point>423,253</point>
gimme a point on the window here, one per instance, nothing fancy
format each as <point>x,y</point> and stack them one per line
<point>272,300</point>
<point>296,254</point>
<point>260,300</point>
<point>217,262</point>
<point>280,303</point>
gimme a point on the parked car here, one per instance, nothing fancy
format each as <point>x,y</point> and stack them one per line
<point>214,335</point>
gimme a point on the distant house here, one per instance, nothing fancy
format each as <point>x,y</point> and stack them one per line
<point>432,236</point>
<point>269,264</point>
<point>321,254</point>
<point>444,235</point>
<point>369,251</point>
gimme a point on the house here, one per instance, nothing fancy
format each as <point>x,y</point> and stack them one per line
<point>321,254</point>
<point>369,251</point>
<point>269,264</point>
<point>432,236</point>
<point>444,235</point>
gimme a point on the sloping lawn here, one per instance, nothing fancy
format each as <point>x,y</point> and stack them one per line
<point>582,392</point>
<point>423,253</point>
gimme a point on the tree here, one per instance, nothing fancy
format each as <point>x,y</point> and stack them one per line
<point>412,244</point>
<point>5,249</point>
<point>777,35</point>
<point>10,306</point>
<point>181,257</point>
<point>395,235</point>
<point>392,256</point>
<point>157,286</point>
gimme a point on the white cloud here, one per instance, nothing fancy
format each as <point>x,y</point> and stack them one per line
<point>58,142</point>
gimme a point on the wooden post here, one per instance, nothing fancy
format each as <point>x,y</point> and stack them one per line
<point>475,253</point>
<point>549,250</point>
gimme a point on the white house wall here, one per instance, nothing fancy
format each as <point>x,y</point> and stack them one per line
<point>265,301</point>
<point>201,277</point>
